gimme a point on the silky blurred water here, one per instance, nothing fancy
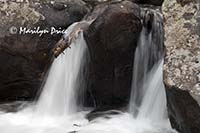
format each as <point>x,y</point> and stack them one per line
<point>57,110</point>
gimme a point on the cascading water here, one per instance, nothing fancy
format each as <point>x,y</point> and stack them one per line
<point>59,93</point>
<point>148,98</point>
<point>148,94</point>
<point>147,109</point>
<point>56,109</point>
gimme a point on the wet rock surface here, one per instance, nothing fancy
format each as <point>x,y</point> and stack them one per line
<point>182,65</point>
<point>24,58</point>
<point>13,106</point>
<point>183,110</point>
<point>103,114</point>
<point>112,39</point>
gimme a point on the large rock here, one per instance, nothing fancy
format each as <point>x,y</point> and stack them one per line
<point>146,2</point>
<point>24,58</point>
<point>149,2</point>
<point>183,110</point>
<point>112,39</point>
<point>182,63</point>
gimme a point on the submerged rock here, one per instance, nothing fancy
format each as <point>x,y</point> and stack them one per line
<point>25,58</point>
<point>13,106</point>
<point>102,114</point>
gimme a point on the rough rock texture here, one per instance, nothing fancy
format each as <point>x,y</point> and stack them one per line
<point>24,58</point>
<point>182,62</point>
<point>112,39</point>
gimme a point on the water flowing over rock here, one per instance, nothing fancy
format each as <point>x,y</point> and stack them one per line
<point>116,29</point>
<point>56,109</point>
<point>148,53</point>
<point>59,95</point>
<point>25,59</point>
<point>58,100</point>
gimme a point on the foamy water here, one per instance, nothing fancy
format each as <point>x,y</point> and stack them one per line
<point>57,111</point>
<point>123,123</point>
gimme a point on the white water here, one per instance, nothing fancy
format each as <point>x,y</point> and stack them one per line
<point>59,93</point>
<point>154,103</point>
<point>57,110</point>
<point>148,99</point>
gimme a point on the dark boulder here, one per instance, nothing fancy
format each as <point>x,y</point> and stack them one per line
<point>149,2</point>
<point>103,114</point>
<point>62,13</point>
<point>25,58</point>
<point>112,39</point>
<point>184,111</point>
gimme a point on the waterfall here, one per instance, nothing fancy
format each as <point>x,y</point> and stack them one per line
<point>57,110</point>
<point>147,109</point>
<point>59,95</point>
<point>148,98</point>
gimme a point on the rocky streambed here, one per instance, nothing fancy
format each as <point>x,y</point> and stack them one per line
<point>111,39</point>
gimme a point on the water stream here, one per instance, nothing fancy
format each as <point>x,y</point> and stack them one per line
<point>148,98</point>
<point>57,111</point>
<point>59,96</point>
